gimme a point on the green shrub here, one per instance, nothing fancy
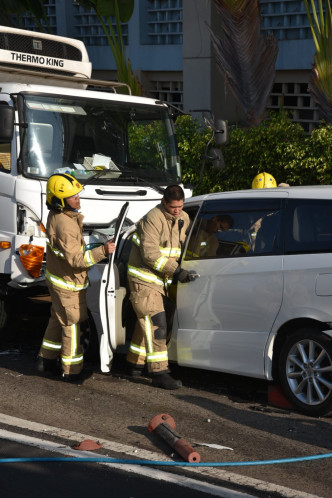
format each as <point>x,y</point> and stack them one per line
<point>277,146</point>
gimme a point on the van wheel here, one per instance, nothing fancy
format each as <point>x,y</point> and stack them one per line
<point>305,371</point>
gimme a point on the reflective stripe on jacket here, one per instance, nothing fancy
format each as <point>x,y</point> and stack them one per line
<point>157,247</point>
<point>67,261</point>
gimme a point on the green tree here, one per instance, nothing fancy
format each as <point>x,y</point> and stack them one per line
<point>277,145</point>
<point>121,11</point>
<point>320,84</point>
<point>244,56</point>
<point>12,12</point>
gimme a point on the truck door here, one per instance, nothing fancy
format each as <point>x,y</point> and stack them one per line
<point>110,301</point>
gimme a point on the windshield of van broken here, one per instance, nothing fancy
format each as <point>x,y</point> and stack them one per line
<point>84,136</point>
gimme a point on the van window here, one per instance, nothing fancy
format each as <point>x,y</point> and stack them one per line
<point>244,227</point>
<point>5,157</point>
<point>308,226</point>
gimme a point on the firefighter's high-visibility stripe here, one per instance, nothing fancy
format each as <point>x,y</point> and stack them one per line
<point>51,345</point>
<point>159,356</point>
<point>171,252</point>
<point>57,252</point>
<point>88,259</point>
<point>160,263</point>
<point>148,333</point>
<point>74,340</point>
<point>146,277</point>
<point>139,350</point>
<point>71,360</point>
<point>65,284</point>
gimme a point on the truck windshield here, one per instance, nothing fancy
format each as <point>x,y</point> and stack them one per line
<point>83,136</point>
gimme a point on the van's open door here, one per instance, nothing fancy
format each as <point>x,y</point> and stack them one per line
<point>110,301</point>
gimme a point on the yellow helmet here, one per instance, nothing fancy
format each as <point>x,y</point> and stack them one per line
<point>263,180</point>
<point>59,187</point>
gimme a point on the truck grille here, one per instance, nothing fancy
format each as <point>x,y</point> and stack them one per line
<point>50,48</point>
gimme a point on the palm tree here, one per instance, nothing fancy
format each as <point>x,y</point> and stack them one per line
<point>244,56</point>
<point>320,84</point>
<point>122,11</point>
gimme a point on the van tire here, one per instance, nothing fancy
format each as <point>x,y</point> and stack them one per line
<point>305,371</point>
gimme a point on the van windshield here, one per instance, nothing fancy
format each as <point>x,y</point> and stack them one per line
<point>82,136</point>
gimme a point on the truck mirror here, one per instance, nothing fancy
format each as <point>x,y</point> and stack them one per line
<point>220,132</point>
<point>7,115</point>
<point>217,158</point>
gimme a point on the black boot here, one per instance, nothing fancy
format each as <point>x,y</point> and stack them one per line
<point>44,365</point>
<point>166,381</point>
<point>134,370</point>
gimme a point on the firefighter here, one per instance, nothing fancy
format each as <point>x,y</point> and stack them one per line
<point>153,265</point>
<point>263,180</point>
<point>67,264</point>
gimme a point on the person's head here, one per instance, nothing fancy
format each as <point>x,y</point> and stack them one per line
<point>62,192</point>
<point>173,199</point>
<point>263,180</point>
<point>220,223</point>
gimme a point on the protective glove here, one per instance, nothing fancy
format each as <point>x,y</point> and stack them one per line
<point>181,275</point>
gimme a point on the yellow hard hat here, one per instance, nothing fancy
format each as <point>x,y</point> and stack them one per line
<point>263,180</point>
<point>59,187</point>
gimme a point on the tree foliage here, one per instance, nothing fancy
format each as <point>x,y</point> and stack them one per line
<point>244,56</point>
<point>320,84</point>
<point>11,13</point>
<point>277,146</point>
<point>121,11</point>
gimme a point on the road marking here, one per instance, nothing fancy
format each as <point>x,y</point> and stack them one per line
<point>139,453</point>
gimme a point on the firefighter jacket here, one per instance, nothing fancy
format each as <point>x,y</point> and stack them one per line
<point>67,261</point>
<point>156,248</point>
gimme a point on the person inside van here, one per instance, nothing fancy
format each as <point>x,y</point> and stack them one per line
<point>263,180</point>
<point>205,243</point>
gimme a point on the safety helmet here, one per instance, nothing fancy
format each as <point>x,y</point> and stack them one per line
<point>59,187</point>
<point>263,180</point>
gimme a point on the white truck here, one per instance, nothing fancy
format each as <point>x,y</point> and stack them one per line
<point>120,147</point>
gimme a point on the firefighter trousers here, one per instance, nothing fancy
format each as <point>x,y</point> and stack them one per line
<point>62,337</point>
<point>148,344</point>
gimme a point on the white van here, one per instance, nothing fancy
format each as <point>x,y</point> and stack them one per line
<point>262,306</point>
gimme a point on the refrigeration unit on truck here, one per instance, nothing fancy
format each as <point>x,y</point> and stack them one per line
<point>122,148</point>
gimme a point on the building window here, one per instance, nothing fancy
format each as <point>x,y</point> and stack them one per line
<point>89,30</point>
<point>168,91</point>
<point>295,98</point>
<point>29,24</point>
<point>287,19</point>
<point>162,24</point>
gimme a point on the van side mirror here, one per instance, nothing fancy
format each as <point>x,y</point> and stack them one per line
<point>7,116</point>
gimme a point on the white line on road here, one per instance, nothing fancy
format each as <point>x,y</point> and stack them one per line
<point>144,455</point>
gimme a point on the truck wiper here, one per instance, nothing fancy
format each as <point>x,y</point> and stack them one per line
<point>141,181</point>
<point>96,174</point>
<point>131,178</point>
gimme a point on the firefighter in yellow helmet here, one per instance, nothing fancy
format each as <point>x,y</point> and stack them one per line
<point>263,180</point>
<point>67,264</point>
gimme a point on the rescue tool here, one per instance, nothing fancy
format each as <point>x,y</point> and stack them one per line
<point>164,425</point>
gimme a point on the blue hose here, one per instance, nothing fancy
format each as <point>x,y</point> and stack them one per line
<point>162,463</point>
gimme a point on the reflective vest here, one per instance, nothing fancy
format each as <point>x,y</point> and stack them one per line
<point>67,261</point>
<point>156,248</point>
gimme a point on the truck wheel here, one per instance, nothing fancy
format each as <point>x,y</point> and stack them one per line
<point>4,313</point>
<point>305,371</point>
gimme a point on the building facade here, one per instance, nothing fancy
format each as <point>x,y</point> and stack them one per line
<point>169,46</point>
